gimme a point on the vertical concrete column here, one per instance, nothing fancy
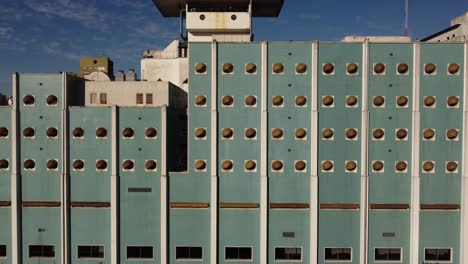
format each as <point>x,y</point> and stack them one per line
<point>364,209</point>
<point>214,154</point>
<point>163,185</point>
<point>15,198</point>
<point>464,202</point>
<point>414,233</point>
<point>114,189</point>
<point>64,180</point>
<point>314,200</point>
<point>264,159</point>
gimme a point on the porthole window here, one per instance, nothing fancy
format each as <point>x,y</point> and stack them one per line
<point>301,134</point>
<point>228,68</point>
<point>351,134</point>
<point>128,133</point>
<point>4,164</point>
<point>429,134</point>
<point>52,165</point>
<point>301,68</point>
<point>101,133</point>
<point>250,101</point>
<point>401,166</point>
<point>151,165</point>
<point>202,17</point>
<point>378,166</point>
<point>278,101</point>
<point>401,134</point>
<point>301,101</point>
<point>227,133</point>
<point>101,165</point>
<point>52,100</point>
<point>430,69</point>
<point>327,166</point>
<point>277,166</point>
<point>429,101</point>
<point>327,134</point>
<point>227,165</point>
<point>378,134</point>
<point>453,69</point>
<point>128,165</point>
<point>351,101</point>
<point>200,100</point>
<point>379,69</point>
<point>78,132</point>
<point>452,134</point>
<point>227,101</point>
<point>352,68</point>
<point>29,100</point>
<point>402,69</point>
<point>151,133</point>
<point>233,17</point>
<point>300,166</point>
<point>277,133</point>
<point>250,133</point>
<point>4,132</point>
<point>200,165</point>
<point>52,132</point>
<point>29,132</point>
<point>453,101</point>
<point>200,133</point>
<point>351,166</point>
<point>278,68</point>
<point>250,68</point>
<point>200,68</point>
<point>328,101</point>
<point>78,165</point>
<point>379,101</point>
<point>402,101</point>
<point>250,165</point>
<point>428,166</point>
<point>451,167</point>
<point>328,68</point>
<point>29,164</point>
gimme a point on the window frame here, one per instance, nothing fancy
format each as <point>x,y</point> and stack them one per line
<point>90,258</point>
<point>389,261</point>
<point>93,96</point>
<point>439,261</point>
<point>101,97</point>
<point>42,257</point>
<point>139,259</point>
<point>149,99</point>
<point>337,260</point>
<point>142,99</point>
<point>288,260</point>
<point>187,259</point>
<point>239,260</point>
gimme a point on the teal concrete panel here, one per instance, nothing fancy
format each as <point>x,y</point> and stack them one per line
<point>239,84</point>
<point>192,233</point>
<point>440,229</point>
<point>5,153</point>
<point>389,229</point>
<point>390,185</point>
<point>199,116</point>
<point>289,117</point>
<point>5,233</point>
<point>90,184</point>
<point>239,228</point>
<point>188,187</point>
<point>296,221</point>
<point>139,211</point>
<point>41,226</point>
<point>439,186</point>
<point>41,183</point>
<point>339,229</point>
<point>339,185</point>
<point>90,227</point>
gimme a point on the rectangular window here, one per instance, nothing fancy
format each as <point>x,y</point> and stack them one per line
<point>93,98</point>
<point>149,98</point>
<point>238,253</point>
<point>338,254</point>
<point>90,252</point>
<point>3,252</point>
<point>184,253</point>
<point>387,254</point>
<point>438,255</point>
<point>139,98</point>
<point>41,251</point>
<point>288,254</point>
<point>103,98</point>
<point>135,252</point>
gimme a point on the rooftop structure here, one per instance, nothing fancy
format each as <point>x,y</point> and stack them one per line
<point>458,31</point>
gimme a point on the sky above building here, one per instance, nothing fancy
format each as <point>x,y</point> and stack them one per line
<point>49,36</point>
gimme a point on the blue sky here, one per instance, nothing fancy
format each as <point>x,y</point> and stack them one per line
<point>51,35</point>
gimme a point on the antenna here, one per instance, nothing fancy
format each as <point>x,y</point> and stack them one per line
<point>405,33</point>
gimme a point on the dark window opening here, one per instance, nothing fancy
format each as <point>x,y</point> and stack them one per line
<point>189,253</point>
<point>288,253</point>
<point>134,252</point>
<point>3,251</point>
<point>338,254</point>
<point>438,254</point>
<point>238,253</point>
<point>387,254</point>
<point>96,252</point>
<point>41,251</point>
